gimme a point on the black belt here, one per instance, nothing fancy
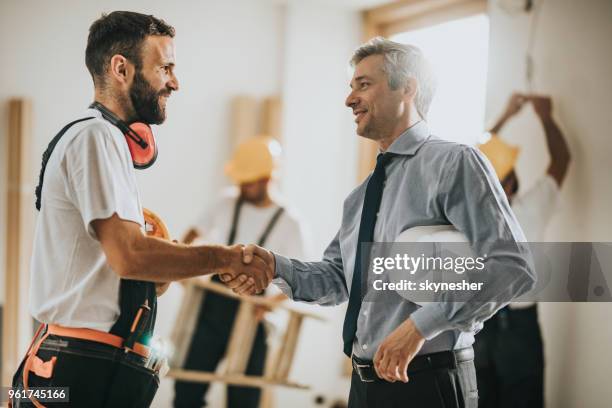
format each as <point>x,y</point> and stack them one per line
<point>86,348</point>
<point>444,359</point>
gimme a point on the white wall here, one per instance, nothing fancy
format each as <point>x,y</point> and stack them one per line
<point>573,64</point>
<point>321,148</point>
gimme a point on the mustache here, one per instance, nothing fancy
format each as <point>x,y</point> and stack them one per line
<point>165,92</point>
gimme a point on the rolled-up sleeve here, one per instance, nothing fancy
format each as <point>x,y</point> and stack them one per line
<point>473,201</point>
<point>321,282</point>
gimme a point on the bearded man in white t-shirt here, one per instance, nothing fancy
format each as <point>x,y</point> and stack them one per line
<point>94,273</point>
<point>509,353</point>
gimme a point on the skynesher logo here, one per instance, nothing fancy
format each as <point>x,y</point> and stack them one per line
<point>427,285</point>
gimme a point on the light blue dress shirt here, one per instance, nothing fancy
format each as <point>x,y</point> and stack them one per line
<point>429,182</point>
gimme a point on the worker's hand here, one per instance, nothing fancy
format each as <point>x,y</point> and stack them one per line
<point>515,103</point>
<point>397,351</point>
<point>542,105</point>
<point>252,251</point>
<point>245,278</point>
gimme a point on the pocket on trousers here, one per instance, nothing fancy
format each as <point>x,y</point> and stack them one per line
<point>132,386</point>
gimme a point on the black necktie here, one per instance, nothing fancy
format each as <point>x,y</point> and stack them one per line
<point>371,204</point>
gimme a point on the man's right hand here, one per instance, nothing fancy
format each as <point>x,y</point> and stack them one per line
<point>249,271</point>
<point>251,256</point>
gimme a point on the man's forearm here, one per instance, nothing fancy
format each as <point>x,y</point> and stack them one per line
<point>499,124</point>
<point>557,148</point>
<point>156,260</point>
<point>317,282</point>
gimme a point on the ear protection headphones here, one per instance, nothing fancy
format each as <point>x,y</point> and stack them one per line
<point>138,135</point>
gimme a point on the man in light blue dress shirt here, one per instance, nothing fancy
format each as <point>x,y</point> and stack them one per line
<point>404,353</point>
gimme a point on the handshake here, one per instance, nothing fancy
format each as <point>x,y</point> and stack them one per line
<point>249,269</point>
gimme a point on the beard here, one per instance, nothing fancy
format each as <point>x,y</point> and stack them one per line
<point>146,101</point>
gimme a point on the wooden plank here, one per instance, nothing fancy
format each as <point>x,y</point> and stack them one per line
<point>289,345</point>
<point>257,300</point>
<point>243,380</point>
<point>241,339</point>
<point>271,123</point>
<point>404,9</point>
<point>244,119</point>
<point>182,332</point>
<point>433,17</point>
<point>17,323</point>
<point>367,158</point>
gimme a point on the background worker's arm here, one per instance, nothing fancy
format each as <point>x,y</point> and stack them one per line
<point>557,146</point>
<point>515,103</point>
<point>133,255</point>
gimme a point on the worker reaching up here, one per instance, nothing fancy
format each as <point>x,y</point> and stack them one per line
<point>509,353</point>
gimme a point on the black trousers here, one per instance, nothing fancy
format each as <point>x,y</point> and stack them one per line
<point>96,375</point>
<point>509,359</point>
<point>208,346</point>
<point>439,388</point>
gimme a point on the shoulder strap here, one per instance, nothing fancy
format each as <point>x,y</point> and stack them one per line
<point>264,235</point>
<point>47,154</point>
<point>232,235</point>
<point>271,224</point>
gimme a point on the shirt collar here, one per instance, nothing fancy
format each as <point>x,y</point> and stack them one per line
<point>410,140</point>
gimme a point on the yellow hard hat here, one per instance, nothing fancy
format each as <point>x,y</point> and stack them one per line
<point>253,160</point>
<point>502,155</point>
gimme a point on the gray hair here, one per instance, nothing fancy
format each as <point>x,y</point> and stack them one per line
<point>401,62</point>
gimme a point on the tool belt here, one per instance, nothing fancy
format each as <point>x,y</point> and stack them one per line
<point>45,369</point>
<point>444,359</point>
<point>138,306</point>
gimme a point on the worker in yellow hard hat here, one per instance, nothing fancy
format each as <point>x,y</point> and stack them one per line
<point>509,353</point>
<point>244,215</point>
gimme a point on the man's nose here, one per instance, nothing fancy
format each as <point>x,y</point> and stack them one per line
<point>350,101</point>
<point>173,83</point>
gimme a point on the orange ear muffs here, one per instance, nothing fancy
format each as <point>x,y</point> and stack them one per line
<point>141,143</point>
<point>138,135</point>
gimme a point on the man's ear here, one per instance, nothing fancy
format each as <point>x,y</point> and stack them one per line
<point>411,88</point>
<point>121,70</point>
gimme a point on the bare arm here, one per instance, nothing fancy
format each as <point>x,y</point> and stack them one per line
<point>557,146</point>
<point>515,103</point>
<point>133,255</point>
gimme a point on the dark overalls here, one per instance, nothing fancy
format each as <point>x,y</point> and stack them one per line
<point>211,335</point>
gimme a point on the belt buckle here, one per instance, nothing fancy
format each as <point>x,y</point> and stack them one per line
<point>358,368</point>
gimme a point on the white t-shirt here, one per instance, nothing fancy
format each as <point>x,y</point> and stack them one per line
<point>286,237</point>
<point>89,176</point>
<point>533,210</point>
